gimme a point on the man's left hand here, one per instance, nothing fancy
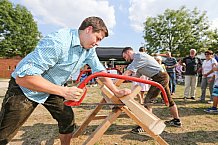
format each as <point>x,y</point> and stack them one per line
<point>123,92</point>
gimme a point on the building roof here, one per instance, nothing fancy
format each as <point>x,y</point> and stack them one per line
<point>110,53</point>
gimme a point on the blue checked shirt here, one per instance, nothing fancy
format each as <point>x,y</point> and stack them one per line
<point>56,58</point>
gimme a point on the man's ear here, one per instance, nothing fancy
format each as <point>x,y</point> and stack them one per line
<point>89,29</point>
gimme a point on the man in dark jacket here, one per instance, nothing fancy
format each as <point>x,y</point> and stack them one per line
<point>192,65</point>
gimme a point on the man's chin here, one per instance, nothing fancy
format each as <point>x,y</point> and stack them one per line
<point>87,47</point>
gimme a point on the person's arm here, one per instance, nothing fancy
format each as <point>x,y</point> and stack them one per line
<point>172,66</point>
<point>211,71</point>
<point>127,73</point>
<point>215,68</point>
<point>39,84</point>
<point>212,78</point>
<point>118,92</point>
<point>159,54</point>
<point>183,62</point>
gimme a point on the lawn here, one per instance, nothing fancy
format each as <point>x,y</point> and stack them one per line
<point>198,127</point>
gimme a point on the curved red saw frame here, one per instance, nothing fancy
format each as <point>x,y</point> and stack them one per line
<point>82,85</point>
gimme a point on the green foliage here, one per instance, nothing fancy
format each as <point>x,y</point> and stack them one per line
<point>18,30</point>
<point>179,31</point>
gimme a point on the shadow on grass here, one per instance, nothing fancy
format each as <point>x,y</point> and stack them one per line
<point>191,138</point>
<point>164,113</point>
<point>188,138</point>
<point>38,133</point>
<point>47,133</point>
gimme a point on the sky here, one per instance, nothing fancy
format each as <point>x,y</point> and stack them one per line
<point>124,18</point>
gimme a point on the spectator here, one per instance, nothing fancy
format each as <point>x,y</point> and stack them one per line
<point>145,88</point>
<point>213,109</point>
<point>179,71</point>
<point>216,56</point>
<point>192,65</point>
<point>170,64</point>
<point>207,66</point>
<point>159,60</point>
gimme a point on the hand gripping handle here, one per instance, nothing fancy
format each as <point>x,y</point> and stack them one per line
<point>123,77</point>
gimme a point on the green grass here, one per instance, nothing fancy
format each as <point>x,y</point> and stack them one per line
<point>198,127</point>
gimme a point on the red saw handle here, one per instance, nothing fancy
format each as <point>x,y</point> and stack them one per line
<point>103,74</point>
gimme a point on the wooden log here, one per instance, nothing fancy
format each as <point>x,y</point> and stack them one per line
<point>147,118</point>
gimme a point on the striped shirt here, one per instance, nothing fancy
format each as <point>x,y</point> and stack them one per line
<point>170,61</point>
<point>56,58</point>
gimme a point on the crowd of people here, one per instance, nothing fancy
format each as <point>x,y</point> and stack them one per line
<point>39,78</point>
<point>191,71</point>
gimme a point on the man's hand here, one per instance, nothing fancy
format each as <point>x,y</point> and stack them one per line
<point>215,68</point>
<point>122,92</point>
<point>72,93</point>
<point>205,75</point>
<point>211,79</point>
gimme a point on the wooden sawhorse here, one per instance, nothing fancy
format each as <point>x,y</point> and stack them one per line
<point>148,121</point>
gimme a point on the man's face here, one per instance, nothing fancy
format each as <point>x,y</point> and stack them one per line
<point>126,56</point>
<point>168,54</point>
<point>192,53</point>
<point>90,39</point>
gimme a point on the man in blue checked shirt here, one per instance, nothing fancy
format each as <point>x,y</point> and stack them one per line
<point>39,78</point>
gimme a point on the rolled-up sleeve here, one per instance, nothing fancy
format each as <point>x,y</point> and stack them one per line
<point>132,67</point>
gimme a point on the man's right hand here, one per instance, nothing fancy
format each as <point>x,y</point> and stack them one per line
<point>72,93</point>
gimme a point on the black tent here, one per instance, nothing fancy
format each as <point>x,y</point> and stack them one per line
<point>110,53</point>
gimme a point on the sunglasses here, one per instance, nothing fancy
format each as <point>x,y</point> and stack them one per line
<point>207,54</point>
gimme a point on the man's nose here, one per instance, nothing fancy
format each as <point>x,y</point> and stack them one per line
<point>97,43</point>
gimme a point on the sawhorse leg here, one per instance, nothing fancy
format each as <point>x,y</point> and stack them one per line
<point>88,120</point>
<point>98,133</point>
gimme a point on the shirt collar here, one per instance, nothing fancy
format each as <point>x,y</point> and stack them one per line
<point>75,38</point>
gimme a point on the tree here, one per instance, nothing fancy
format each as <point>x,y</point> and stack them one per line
<point>178,31</point>
<point>18,30</point>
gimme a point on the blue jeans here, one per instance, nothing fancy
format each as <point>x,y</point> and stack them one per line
<point>172,81</point>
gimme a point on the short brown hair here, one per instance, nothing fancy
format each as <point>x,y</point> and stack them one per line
<point>97,24</point>
<point>142,49</point>
<point>209,52</point>
<point>126,49</point>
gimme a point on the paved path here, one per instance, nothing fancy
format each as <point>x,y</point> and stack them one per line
<point>3,83</point>
<point>3,87</point>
